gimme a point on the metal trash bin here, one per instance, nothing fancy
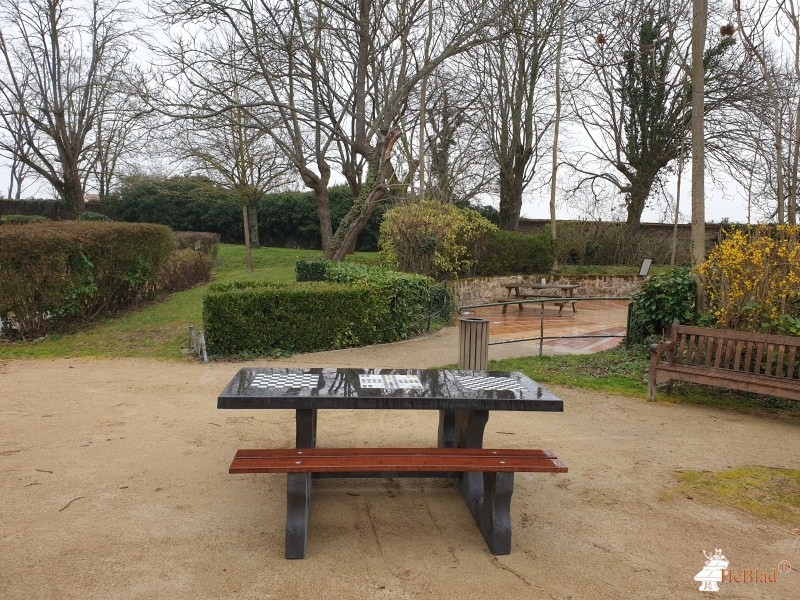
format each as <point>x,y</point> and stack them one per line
<point>473,343</point>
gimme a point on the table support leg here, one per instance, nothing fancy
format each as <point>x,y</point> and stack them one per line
<point>306,428</point>
<point>494,514</point>
<point>298,504</point>
<point>469,434</point>
<point>447,429</point>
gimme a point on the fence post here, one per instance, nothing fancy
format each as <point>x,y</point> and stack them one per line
<point>473,343</point>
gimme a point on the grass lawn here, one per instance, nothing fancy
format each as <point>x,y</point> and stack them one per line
<point>766,492</point>
<point>161,329</point>
<point>624,372</point>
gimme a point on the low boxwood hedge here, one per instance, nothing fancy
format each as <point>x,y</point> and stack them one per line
<point>267,318</point>
<point>355,305</point>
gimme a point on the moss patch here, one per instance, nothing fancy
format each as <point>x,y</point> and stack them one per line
<point>766,492</point>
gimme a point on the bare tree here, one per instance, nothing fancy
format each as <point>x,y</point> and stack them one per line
<point>632,98</point>
<point>338,77</point>
<point>771,33</point>
<point>237,155</point>
<point>517,96</point>
<point>56,55</point>
<point>121,132</point>
<point>556,129</point>
<point>17,151</point>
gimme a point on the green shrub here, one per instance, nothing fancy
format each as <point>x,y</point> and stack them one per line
<point>311,269</point>
<point>58,274</point>
<point>431,238</point>
<point>510,252</point>
<point>402,300</point>
<point>356,305</point>
<point>663,299</point>
<point>88,215</point>
<point>261,318</point>
<point>21,219</point>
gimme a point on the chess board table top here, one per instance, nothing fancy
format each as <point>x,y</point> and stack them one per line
<point>418,389</point>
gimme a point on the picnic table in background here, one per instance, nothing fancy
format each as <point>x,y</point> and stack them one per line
<point>565,291</point>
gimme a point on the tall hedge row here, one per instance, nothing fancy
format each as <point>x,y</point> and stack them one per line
<point>285,219</point>
<point>59,273</point>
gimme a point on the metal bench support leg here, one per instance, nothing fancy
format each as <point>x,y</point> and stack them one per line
<point>494,514</point>
<point>298,504</point>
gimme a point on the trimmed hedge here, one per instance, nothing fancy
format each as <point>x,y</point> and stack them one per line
<point>60,273</point>
<point>440,300</point>
<point>355,305</point>
<point>21,219</point>
<point>509,252</point>
<point>266,318</point>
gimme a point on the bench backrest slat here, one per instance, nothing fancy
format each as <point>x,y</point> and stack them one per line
<point>718,357</point>
<point>737,362</point>
<point>709,350</point>
<point>681,349</point>
<point>748,358</point>
<point>792,365</point>
<point>759,358</point>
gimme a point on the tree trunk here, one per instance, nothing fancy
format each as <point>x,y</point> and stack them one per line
<point>72,192</point>
<point>556,127</point>
<point>252,217</point>
<point>640,188</point>
<point>510,202</point>
<point>698,232</point>
<point>247,249</point>
<point>375,188</point>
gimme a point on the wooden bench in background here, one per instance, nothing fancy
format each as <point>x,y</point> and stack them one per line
<point>492,513</point>
<point>751,362</point>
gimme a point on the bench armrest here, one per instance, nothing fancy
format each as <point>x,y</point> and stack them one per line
<point>658,349</point>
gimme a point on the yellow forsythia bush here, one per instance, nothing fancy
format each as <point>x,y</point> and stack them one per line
<point>752,278</point>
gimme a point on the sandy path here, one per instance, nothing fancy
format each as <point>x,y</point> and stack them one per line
<point>115,486</point>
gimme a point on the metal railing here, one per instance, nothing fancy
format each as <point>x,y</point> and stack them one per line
<point>541,301</point>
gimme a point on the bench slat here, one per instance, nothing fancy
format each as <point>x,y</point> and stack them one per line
<point>355,460</point>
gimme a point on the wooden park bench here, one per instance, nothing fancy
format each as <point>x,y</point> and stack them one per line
<point>491,510</point>
<point>751,362</point>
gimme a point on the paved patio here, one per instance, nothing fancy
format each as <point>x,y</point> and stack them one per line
<point>592,318</point>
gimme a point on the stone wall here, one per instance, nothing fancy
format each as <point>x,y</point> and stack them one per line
<point>481,290</point>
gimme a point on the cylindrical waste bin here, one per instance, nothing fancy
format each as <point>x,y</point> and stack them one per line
<point>473,342</point>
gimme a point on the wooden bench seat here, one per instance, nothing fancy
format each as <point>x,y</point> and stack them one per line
<point>751,362</point>
<point>491,511</point>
